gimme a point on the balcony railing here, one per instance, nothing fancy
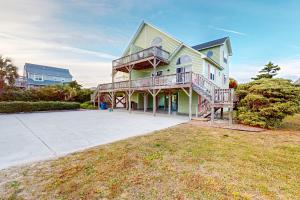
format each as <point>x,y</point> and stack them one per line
<point>146,53</point>
<point>207,87</point>
<point>167,80</point>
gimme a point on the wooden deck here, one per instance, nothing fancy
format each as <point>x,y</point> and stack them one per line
<point>142,60</point>
<point>212,97</point>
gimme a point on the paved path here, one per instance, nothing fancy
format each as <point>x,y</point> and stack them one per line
<point>37,136</point>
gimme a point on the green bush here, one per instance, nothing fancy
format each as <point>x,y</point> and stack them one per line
<point>88,105</point>
<point>47,93</point>
<point>266,102</point>
<point>22,106</point>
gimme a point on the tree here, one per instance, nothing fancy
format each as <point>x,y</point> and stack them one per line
<point>269,71</point>
<point>8,73</point>
<point>232,83</point>
<point>75,85</point>
<point>266,102</point>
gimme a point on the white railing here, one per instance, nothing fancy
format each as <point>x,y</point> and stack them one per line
<point>209,88</point>
<point>145,53</point>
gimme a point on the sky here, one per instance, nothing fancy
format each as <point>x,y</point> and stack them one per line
<point>86,35</point>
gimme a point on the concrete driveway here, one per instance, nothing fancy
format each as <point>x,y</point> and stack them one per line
<point>37,136</point>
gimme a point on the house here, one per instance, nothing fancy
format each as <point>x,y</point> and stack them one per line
<point>164,74</point>
<point>40,75</point>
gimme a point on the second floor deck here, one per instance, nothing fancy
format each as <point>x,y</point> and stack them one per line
<point>142,59</point>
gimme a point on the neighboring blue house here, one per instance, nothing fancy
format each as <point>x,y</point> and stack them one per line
<point>39,75</point>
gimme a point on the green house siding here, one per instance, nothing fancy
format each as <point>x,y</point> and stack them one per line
<point>183,102</point>
<point>147,35</point>
<point>216,53</point>
<point>197,65</point>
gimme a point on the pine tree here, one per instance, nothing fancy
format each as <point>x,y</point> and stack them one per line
<point>269,71</point>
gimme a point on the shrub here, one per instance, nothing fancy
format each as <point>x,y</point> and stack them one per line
<point>232,83</point>
<point>22,106</point>
<point>88,105</point>
<point>47,93</point>
<point>266,102</point>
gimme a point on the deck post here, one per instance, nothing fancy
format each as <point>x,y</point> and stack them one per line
<point>98,100</point>
<point>126,100</point>
<point>113,100</point>
<point>190,102</point>
<point>145,101</point>
<point>170,102</point>
<point>129,92</point>
<point>230,115</point>
<point>230,109</point>
<point>222,113</point>
<point>212,115</point>
<point>154,102</point>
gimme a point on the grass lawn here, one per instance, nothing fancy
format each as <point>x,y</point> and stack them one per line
<point>182,162</point>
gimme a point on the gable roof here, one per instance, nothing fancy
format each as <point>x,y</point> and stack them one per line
<point>47,70</point>
<point>214,43</point>
<point>181,44</point>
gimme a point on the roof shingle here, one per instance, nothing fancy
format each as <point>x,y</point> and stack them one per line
<point>210,44</point>
<point>47,70</point>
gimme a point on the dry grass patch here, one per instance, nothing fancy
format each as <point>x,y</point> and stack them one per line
<point>182,162</point>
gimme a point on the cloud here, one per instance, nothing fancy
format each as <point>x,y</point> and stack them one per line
<point>243,72</point>
<point>36,32</point>
<point>227,30</point>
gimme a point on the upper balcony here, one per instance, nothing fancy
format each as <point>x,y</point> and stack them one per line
<point>142,59</point>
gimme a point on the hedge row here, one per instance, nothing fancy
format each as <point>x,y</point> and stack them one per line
<point>23,106</point>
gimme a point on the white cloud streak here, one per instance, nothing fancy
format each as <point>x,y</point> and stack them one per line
<point>227,30</point>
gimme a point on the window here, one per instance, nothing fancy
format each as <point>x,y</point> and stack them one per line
<point>212,76</point>
<point>224,57</point>
<point>224,79</point>
<point>185,59</point>
<point>159,73</point>
<point>156,42</point>
<point>38,77</point>
<point>210,54</point>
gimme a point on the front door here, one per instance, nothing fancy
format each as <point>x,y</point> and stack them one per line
<point>180,75</point>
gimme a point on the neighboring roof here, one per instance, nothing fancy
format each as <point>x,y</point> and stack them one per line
<point>214,43</point>
<point>297,82</point>
<point>47,70</point>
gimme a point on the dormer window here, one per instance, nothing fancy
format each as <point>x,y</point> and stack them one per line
<point>156,42</point>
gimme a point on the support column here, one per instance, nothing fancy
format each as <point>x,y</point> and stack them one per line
<point>145,101</point>
<point>212,116</point>
<point>98,101</point>
<point>190,102</point>
<point>222,113</point>
<point>230,115</point>
<point>154,102</point>
<point>170,102</point>
<point>126,100</point>
<point>129,92</point>
<point>113,100</point>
